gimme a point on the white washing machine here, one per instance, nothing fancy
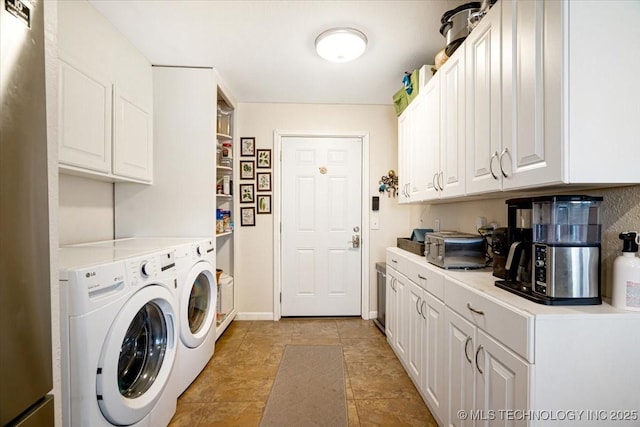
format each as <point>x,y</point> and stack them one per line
<point>119,336</point>
<point>196,295</point>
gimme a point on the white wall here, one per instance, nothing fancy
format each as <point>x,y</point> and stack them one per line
<point>254,266</point>
<point>85,210</point>
<point>620,211</point>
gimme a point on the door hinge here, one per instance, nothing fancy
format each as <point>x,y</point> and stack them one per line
<point>280,297</point>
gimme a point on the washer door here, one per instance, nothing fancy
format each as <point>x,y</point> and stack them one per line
<point>137,356</point>
<point>198,304</point>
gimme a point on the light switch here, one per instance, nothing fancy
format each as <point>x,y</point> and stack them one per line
<point>375,222</point>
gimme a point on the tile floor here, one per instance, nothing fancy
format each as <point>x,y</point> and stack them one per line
<point>234,387</point>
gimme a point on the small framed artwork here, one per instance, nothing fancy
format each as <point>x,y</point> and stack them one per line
<point>247,147</point>
<point>264,159</point>
<point>264,204</point>
<point>264,181</point>
<point>248,217</point>
<point>246,193</point>
<point>247,169</point>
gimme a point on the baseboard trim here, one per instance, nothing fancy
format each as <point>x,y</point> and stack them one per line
<point>373,315</point>
<point>255,316</point>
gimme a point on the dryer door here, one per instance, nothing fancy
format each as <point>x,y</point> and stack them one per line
<point>198,298</point>
<point>137,356</point>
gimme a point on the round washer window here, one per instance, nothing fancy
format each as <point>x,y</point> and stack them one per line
<point>142,351</point>
<point>199,302</point>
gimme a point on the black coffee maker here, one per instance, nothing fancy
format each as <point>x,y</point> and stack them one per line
<point>512,246</point>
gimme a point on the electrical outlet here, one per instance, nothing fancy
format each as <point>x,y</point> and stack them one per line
<point>436,225</point>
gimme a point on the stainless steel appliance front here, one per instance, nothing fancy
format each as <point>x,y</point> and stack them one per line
<point>25,281</point>
<point>567,271</point>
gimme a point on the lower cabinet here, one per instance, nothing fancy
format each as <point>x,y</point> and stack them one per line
<point>482,357</point>
<point>415,319</point>
<point>395,322</point>
<point>486,381</point>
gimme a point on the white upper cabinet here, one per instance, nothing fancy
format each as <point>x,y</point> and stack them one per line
<point>531,88</point>
<point>431,161</point>
<point>404,155</point>
<point>105,99</point>
<point>84,114</point>
<point>483,121</point>
<point>523,106</point>
<point>451,181</point>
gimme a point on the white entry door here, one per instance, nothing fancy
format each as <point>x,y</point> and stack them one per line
<point>321,226</point>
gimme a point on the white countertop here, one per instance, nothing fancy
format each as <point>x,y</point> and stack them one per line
<point>483,282</point>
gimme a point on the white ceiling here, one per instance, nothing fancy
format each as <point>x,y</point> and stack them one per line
<point>264,50</point>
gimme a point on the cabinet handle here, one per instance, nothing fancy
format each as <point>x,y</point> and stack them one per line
<point>393,283</point>
<point>505,151</point>
<point>433,181</point>
<point>481,313</point>
<point>394,261</point>
<point>422,277</point>
<point>494,155</point>
<point>466,344</point>
<point>477,353</point>
<point>441,175</point>
<point>418,307</point>
<point>422,309</point>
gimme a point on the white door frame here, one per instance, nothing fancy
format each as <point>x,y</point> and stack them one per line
<point>277,217</point>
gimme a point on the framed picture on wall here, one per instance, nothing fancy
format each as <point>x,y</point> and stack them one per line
<point>248,217</point>
<point>247,169</point>
<point>247,147</point>
<point>246,193</point>
<point>264,159</point>
<point>264,204</point>
<point>264,181</point>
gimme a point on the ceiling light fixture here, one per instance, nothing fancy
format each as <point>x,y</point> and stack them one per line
<point>341,44</point>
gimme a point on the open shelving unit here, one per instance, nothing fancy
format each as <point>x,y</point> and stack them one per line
<point>225,202</point>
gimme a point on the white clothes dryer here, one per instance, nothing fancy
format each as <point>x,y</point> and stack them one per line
<point>196,296</point>
<point>119,336</point>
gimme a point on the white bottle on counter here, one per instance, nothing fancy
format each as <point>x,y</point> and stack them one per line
<point>626,274</point>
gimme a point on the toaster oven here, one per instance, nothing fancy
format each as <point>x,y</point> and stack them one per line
<point>452,249</point>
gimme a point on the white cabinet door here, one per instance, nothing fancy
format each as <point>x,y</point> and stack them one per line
<point>452,116</point>
<point>460,373</point>
<point>502,382</point>
<point>419,149</point>
<point>402,335</point>
<point>132,142</point>
<point>84,119</point>
<point>483,140</point>
<point>530,157</point>
<point>404,155</point>
<point>434,386</point>
<point>415,326</point>
<point>431,162</point>
<point>391,308</point>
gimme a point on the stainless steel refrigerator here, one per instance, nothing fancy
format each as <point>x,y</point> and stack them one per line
<point>25,294</point>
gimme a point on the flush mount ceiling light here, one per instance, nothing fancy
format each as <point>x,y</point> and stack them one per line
<point>341,44</point>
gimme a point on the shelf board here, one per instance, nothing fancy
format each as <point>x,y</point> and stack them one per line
<point>224,196</point>
<point>226,233</point>
<point>224,168</point>
<point>224,136</point>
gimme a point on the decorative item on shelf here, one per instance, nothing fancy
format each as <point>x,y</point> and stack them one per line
<point>264,181</point>
<point>264,204</point>
<point>247,147</point>
<point>246,193</point>
<point>247,169</point>
<point>248,217</point>
<point>264,159</point>
<point>389,183</point>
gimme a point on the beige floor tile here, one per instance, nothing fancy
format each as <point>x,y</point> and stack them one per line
<point>366,349</point>
<point>187,415</point>
<point>394,412</point>
<point>380,379</point>
<point>235,385</point>
<point>352,411</point>
<point>230,414</point>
